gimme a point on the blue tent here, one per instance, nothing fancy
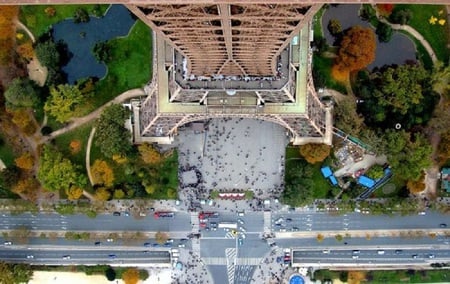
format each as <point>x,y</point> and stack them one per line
<point>326,172</point>
<point>333,180</point>
<point>365,181</point>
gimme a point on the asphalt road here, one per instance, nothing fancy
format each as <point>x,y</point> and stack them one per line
<point>323,221</point>
<point>382,256</point>
<point>62,256</point>
<point>103,222</point>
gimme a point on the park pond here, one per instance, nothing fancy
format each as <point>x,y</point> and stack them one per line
<point>398,50</point>
<point>81,38</point>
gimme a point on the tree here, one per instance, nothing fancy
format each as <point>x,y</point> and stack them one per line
<point>102,51</point>
<point>440,79</point>
<point>375,172</point>
<point>149,154</point>
<point>22,93</point>
<point>320,238</point>
<point>74,193</point>
<point>81,16</point>
<point>15,273</point>
<point>346,117</point>
<point>443,151</point>
<point>118,194</point>
<point>401,16</point>
<point>357,49</point>
<point>299,189</point>
<point>401,86</point>
<point>64,102</point>
<point>314,153</point>
<point>102,194</point>
<point>416,186</point>
<point>26,51</point>
<point>25,161</point>
<point>111,135</point>
<point>130,276</point>
<point>10,176</point>
<point>102,173</point>
<point>161,237</point>
<point>48,54</point>
<point>24,120</point>
<point>56,172</point>
<point>408,156</point>
<point>110,274</point>
<point>334,27</point>
<point>384,32</point>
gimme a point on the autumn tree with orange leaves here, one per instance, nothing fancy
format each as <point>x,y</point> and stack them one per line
<point>131,276</point>
<point>357,50</point>
<point>102,173</point>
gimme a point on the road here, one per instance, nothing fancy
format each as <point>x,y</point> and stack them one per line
<point>380,256</point>
<point>62,256</point>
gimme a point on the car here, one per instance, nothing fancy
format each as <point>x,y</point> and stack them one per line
<point>126,213</point>
<point>7,243</point>
<point>283,230</point>
<point>30,256</point>
<point>167,245</point>
<point>116,213</point>
<point>240,221</point>
<point>146,251</point>
<point>443,225</point>
<point>278,225</point>
<point>326,251</point>
<point>380,252</point>
<point>110,240</point>
<point>155,245</point>
<point>279,220</point>
<point>181,245</point>
<point>355,256</point>
<point>207,229</point>
<point>242,229</point>
<point>279,259</point>
<point>356,251</point>
<point>288,219</point>
<point>431,255</point>
<point>241,213</point>
<point>169,241</point>
<point>142,214</point>
<point>398,251</point>
<point>163,215</point>
<point>240,241</point>
<point>295,229</point>
<point>97,243</point>
<point>112,256</point>
<point>243,236</point>
<point>65,257</point>
<point>422,213</point>
<point>273,244</point>
<point>414,256</point>
<point>147,244</point>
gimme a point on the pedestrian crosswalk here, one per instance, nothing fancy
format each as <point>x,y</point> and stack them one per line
<point>231,254</point>
<point>267,222</point>
<point>229,235</point>
<point>248,261</point>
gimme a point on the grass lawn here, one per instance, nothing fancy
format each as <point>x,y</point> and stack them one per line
<point>402,276</point>
<point>437,36</point>
<point>130,67</point>
<point>6,152</point>
<point>168,169</point>
<point>63,143</point>
<point>35,18</point>
<point>397,182</point>
<point>323,66</point>
<point>321,185</point>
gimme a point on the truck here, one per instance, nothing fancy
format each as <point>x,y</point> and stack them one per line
<point>206,215</point>
<point>164,215</point>
<point>227,225</point>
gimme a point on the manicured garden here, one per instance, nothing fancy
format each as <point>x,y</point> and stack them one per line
<point>438,36</point>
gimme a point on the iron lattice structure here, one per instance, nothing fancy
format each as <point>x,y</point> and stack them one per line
<point>231,60</point>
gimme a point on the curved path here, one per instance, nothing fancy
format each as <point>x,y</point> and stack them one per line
<point>412,32</point>
<point>88,155</point>
<point>76,122</point>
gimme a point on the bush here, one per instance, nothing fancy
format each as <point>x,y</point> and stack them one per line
<point>401,16</point>
<point>81,16</point>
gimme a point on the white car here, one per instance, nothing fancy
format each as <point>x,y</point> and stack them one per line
<point>30,256</point>
<point>7,243</point>
<point>66,257</point>
<point>240,221</point>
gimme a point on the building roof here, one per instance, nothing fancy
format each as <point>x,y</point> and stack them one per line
<point>326,172</point>
<point>365,181</point>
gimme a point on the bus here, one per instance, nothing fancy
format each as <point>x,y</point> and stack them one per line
<point>228,225</point>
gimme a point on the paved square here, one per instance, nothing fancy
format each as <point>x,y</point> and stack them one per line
<point>235,153</point>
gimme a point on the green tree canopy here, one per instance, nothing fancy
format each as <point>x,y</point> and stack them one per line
<point>64,102</point>
<point>346,117</point>
<point>15,273</point>
<point>56,172</point>
<point>48,54</point>
<point>401,86</point>
<point>299,189</point>
<point>408,155</point>
<point>384,32</point>
<point>111,135</point>
<point>22,93</point>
